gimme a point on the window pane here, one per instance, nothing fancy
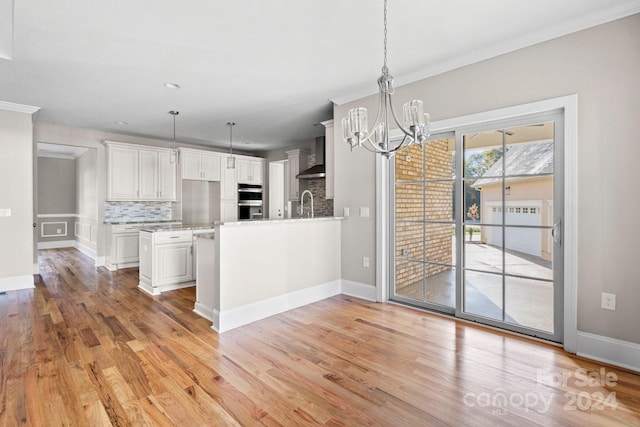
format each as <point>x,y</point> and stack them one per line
<point>483,248</point>
<point>440,159</point>
<point>440,284</point>
<point>409,240</point>
<point>528,252</point>
<point>409,201</point>
<point>483,154</point>
<point>530,149</point>
<point>410,279</point>
<point>439,204</point>
<point>409,164</point>
<point>483,294</point>
<point>529,303</point>
<point>473,203</point>
<point>440,243</point>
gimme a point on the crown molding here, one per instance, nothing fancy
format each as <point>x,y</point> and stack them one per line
<point>18,108</point>
<point>542,35</point>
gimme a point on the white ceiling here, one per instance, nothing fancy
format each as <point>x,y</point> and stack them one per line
<point>271,66</point>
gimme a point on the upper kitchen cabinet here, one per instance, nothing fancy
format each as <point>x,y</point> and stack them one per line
<point>200,165</point>
<point>139,173</point>
<point>123,173</point>
<point>250,170</point>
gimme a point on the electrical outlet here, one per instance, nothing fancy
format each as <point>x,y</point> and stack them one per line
<point>59,231</point>
<point>345,212</point>
<point>365,261</point>
<point>5,212</point>
<point>608,301</point>
<point>364,212</point>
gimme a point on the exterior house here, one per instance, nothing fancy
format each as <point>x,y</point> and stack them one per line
<point>528,191</point>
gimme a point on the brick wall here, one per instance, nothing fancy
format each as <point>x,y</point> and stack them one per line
<point>321,205</point>
<point>436,206</point>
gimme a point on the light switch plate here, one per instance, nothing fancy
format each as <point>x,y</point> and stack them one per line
<point>5,212</point>
<point>364,212</point>
<point>345,212</point>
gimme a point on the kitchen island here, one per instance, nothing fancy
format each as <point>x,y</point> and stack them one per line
<point>264,267</point>
<point>167,256</point>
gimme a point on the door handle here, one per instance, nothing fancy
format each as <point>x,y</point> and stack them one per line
<point>555,232</point>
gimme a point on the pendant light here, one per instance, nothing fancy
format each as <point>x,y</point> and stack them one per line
<point>231,161</point>
<point>414,126</point>
<point>174,157</point>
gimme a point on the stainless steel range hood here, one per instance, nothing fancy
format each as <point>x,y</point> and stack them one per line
<point>318,170</point>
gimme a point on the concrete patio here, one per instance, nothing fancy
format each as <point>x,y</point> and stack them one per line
<point>528,302</point>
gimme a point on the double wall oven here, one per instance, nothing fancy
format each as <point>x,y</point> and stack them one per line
<point>249,201</point>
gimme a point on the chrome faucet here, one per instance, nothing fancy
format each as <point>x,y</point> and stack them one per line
<point>302,203</point>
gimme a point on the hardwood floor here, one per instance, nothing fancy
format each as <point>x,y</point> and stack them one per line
<point>87,348</point>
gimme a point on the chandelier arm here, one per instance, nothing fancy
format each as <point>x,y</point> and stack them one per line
<point>395,118</point>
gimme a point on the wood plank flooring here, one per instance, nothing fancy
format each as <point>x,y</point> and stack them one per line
<point>87,348</point>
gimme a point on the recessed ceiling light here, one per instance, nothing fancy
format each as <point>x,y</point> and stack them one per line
<point>120,122</point>
<point>172,85</point>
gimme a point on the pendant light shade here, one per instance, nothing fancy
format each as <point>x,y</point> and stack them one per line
<point>174,157</point>
<point>231,161</point>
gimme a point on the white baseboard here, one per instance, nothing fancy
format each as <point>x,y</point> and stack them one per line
<point>609,350</point>
<point>239,316</point>
<point>147,288</point>
<point>57,244</point>
<point>358,290</point>
<point>204,311</point>
<point>215,320</point>
<point>91,253</point>
<point>16,283</point>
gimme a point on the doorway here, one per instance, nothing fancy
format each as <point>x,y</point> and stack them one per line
<point>66,197</point>
<point>476,224</point>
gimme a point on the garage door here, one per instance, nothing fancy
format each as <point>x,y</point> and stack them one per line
<point>518,239</point>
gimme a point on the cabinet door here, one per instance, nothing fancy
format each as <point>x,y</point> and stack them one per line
<point>228,184</point>
<point>257,172</point>
<point>294,168</point>
<point>244,171</point>
<point>174,263</point>
<point>210,167</point>
<point>166,177</point>
<point>126,247</point>
<point>190,166</point>
<point>148,175</point>
<point>122,173</point>
<point>228,210</point>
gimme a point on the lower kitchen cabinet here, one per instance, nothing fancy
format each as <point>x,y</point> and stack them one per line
<point>166,260</point>
<point>122,245</point>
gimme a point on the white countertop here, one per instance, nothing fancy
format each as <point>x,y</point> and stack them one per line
<point>280,221</point>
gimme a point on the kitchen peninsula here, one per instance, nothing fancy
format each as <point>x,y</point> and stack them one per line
<point>261,268</point>
<point>167,256</point>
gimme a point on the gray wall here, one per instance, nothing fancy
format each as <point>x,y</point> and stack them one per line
<point>16,193</point>
<point>56,186</point>
<point>601,66</point>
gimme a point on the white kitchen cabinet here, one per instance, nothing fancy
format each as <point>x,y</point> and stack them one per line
<point>167,177</point>
<point>228,184</point>
<point>122,173</point>
<point>166,260</point>
<point>228,210</point>
<point>250,171</point>
<point>200,166</point>
<point>122,250</point>
<point>174,263</point>
<point>135,173</point>
<point>298,161</point>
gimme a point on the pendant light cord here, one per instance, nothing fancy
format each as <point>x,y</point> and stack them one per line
<point>385,69</point>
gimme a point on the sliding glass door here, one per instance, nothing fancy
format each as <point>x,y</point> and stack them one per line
<point>476,224</point>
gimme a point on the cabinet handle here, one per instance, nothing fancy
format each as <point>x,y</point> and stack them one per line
<point>174,237</point>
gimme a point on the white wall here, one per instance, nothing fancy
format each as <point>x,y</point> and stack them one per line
<point>601,65</point>
<point>16,193</point>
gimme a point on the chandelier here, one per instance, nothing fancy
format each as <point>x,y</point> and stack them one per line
<point>174,156</point>
<point>415,123</point>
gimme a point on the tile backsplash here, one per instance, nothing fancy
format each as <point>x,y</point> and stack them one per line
<point>137,211</point>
